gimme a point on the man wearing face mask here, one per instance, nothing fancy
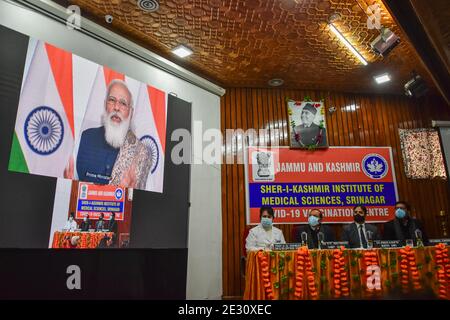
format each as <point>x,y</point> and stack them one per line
<point>264,234</point>
<point>313,230</point>
<point>403,226</point>
<point>112,225</point>
<point>86,223</point>
<point>100,225</point>
<point>71,224</point>
<point>359,232</point>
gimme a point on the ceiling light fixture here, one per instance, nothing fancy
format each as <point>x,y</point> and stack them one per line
<point>348,44</point>
<point>382,78</point>
<point>182,51</point>
<point>148,5</point>
<point>275,82</point>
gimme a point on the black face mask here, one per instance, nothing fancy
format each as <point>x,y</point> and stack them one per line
<point>359,218</point>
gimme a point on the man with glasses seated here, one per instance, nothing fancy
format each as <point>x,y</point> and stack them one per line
<point>112,154</point>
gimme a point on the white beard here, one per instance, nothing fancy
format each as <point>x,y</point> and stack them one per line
<point>115,133</point>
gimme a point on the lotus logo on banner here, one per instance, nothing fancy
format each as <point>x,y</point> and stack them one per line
<point>119,193</point>
<point>375,166</point>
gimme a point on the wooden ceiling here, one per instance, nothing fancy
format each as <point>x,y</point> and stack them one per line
<point>435,17</point>
<point>244,43</point>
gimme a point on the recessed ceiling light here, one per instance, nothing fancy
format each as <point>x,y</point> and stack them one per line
<point>348,44</point>
<point>382,78</point>
<point>276,82</point>
<point>182,51</point>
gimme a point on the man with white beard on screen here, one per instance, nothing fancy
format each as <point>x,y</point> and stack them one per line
<point>112,154</point>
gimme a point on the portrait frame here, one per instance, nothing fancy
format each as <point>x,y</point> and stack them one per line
<point>311,133</point>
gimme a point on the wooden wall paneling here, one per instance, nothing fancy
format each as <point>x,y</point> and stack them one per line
<point>223,172</point>
<point>374,123</point>
<point>229,220</point>
<point>333,135</point>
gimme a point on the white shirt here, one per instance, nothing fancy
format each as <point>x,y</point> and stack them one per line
<point>363,226</point>
<point>71,225</point>
<point>259,239</point>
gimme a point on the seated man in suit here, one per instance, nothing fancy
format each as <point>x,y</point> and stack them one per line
<point>403,226</point>
<point>112,154</point>
<point>100,225</point>
<point>264,234</point>
<point>112,225</point>
<point>86,223</point>
<point>314,230</point>
<point>358,232</point>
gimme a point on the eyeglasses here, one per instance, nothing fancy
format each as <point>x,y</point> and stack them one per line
<point>123,104</point>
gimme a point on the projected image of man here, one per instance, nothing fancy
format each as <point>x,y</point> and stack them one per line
<point>112,154</point>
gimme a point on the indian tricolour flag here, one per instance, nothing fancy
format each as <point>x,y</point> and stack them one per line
<point>149,123</point>
<point>149,118</point>
<point>44,132</point>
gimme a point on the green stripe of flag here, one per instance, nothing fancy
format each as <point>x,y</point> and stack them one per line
<point>16,159</point>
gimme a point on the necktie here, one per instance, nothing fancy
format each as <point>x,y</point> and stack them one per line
<point>363,238</point>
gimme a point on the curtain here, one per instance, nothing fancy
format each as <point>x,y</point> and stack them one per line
<point>422,154</point>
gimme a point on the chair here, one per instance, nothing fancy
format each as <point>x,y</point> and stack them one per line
<point>294,230</point>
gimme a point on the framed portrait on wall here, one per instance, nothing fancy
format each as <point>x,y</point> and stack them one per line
<point>307,125</point>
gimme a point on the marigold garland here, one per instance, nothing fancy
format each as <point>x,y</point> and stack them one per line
<point>443,263</point>
<point>408,267</point>
<point>340,277</point>
<point>264,265</point>
<point>370,258</point>
<point>304,268</point>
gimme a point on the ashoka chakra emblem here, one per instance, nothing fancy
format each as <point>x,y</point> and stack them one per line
<point>44,130</point>
<point>152,146</point>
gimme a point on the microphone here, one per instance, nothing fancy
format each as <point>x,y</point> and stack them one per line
<point>304,237</point>
<point>320,237</point>
<point>418,234</point>
<point>369,235</point>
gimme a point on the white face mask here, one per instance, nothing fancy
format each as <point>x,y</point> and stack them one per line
<point>70,219</point>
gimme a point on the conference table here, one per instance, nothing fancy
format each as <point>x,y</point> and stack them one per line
<point>88,240</point>
<point>394,273</point>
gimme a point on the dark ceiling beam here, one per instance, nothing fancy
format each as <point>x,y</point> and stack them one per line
<point>404,14</point>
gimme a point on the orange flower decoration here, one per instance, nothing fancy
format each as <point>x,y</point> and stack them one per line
<point>304,269</point>
<point>443,274</point>
<point>370,258</point>
<point>408,267</point>
<point>264,265</point>
<point>340,279</point>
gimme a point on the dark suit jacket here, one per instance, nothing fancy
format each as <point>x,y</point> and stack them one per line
<point>309,135</point>
<point>112,226</point>
<point>350,234</point>
<point>85,225</point>
<point>312,236</point>
<point>393,232</point>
